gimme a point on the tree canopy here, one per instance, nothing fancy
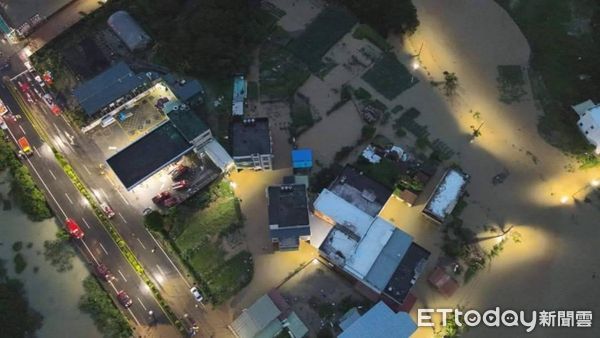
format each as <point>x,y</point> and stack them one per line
<point>395,16</point>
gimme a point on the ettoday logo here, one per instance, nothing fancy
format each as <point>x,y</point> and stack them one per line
<point>508,318</point>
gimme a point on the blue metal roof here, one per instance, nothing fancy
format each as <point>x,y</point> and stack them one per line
<point>388,260</point>
<point>110,85</point>
<point>302,158</point>
<point>381,322</point>
<point>185,90</point>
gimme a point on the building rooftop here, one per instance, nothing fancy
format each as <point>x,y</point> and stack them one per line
<point>128,30</point>
<point>149,154</point>
<point>406,274</point>
<point>187,121</point>
<point>250,137</point>
<point>110,85</point>
<point>288,205</point>
<point>302,158</point>
<point>343,213</point>
<point>389,259</point>
<point>381,322</point>
<point>240,92</point>
<point>446,195</point>
<point>183,88</point>
<point>19,12</point>
<point>366,194</point>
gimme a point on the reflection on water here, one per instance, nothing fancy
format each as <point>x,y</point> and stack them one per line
<point>54,295</point>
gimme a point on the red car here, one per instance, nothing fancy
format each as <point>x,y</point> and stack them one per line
<point>180,185</point>
<point>74,229</point>
<point>24,86</point>
<point>177,172</point>
<point>108,211</point>
<point>158,199</point>
<point>124,299</point>
<point>103,272</point>
<point>171,201</point>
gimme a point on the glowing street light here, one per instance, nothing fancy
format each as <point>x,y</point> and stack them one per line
<point>595,183</point>
<point>564,199</point>
<point>233,185</point>
<point>416,65</point>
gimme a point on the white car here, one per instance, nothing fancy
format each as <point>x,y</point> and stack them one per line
<point>197,295</point>
<point>107,210</point>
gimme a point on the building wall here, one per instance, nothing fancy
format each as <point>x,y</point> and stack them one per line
<point>589,127</point>
<point>256,162</point>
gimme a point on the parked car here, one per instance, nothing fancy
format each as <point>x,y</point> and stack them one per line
<point>160,198</point>
<point>171,201</point>
<point>103,272</point>
<point>196,293</point>
<point>179,185</point>
<point>108,211</point>
<point>124,299</point>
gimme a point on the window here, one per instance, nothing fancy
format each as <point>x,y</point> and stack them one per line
<point>581,124</point>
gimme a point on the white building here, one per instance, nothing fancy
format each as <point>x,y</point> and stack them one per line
<point>589,122</point>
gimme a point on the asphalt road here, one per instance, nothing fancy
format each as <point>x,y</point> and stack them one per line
<point>85,156</point>
<point>96,246</point>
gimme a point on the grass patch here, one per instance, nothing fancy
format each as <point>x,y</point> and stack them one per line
<point>302,118</point>
<point>97,303</point>
<point>389,77</point>
<point>384,172</point>
<point>326,29</point>
<point>560,55</point>
<point>510,83</point>
<point>252,90</point>
<point>281,74</point>
<point>363,31</point>
<point>59,253</point>
<point>17,246</point>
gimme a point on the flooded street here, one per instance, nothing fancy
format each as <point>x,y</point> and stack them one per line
<point>54,295</point>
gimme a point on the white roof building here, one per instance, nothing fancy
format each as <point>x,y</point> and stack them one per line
<point>446,195</point>
<point>589,124</point>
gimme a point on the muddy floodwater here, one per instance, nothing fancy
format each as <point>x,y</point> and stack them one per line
<point>54,295</point>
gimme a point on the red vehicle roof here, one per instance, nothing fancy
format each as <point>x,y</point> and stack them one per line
<point>73,228</point>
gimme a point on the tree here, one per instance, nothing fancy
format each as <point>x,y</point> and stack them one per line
<point>154,221</point>
<point>395,16</point>
<point>450,83</point>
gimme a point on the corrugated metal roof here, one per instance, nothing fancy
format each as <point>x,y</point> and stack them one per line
<point>256,318</point>
<point>381,322</point>
<point>128,30</point>
<point>388,260</point>
<point>110,85</point>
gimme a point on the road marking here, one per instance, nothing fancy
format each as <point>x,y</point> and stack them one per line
<point>142,244</point>
<point>103,248</point>
<point>134,318</point>
<point>69,198</point>
<point>144,306</point>
<point>169,259</point>
<point>104,193</point>
<point>58,130</point>
<point>160,270</point>
<point>86,223</point>
<point>36,151</point>
<point>51,173</point>
<point>122,275</point>
<point>86,169</point>
<point>89,251</point>
<point>123,197</point>
<point>23,130</point>
<point>123,218</point>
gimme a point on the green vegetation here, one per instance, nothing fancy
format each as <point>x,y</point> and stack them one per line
<point>59,252</point>
<point>384,172</point>
<point>98,304</point>
<point>252,90</point>
<point>281,74</point>
<point>389,77</point>
<point>326,30</point>
<point>362,94</point>
<point>450,83</point>
<point>26,193</point>
<point>17,246</point>
<point>367,32</point>
<point>302,118</point>
<point>17,319</point>
<point>366,133</point>
<point>564,67</point>
<point>510,83</point>
<point>395,16</point>
<point>452,330</point>
<point>343,153</point>
<point>20,263</point>
<point>196,230</point>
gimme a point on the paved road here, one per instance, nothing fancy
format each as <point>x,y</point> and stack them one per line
<point>97,246</point>
<point>85,157</point>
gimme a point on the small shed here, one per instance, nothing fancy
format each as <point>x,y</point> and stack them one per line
<point>302,159</point>
<point>443,282</point>
<point>128,30</point>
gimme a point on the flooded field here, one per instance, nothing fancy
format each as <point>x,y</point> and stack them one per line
<point>54,295</point>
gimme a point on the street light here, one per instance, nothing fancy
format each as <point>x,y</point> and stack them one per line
<point>595,183</point>
<point>564,199</point>
<point>416,65</point>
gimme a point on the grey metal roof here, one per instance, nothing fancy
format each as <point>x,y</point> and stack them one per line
<point>250,136</point>
<point>187,121</point>
<point>353,186</point>
<point>184,88</point>
<point>412,265</point>
<point>17,12</point>
<point>110,85</point>
<point>128,30</point>
<point>388,260</point>
<point>256,318</point>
